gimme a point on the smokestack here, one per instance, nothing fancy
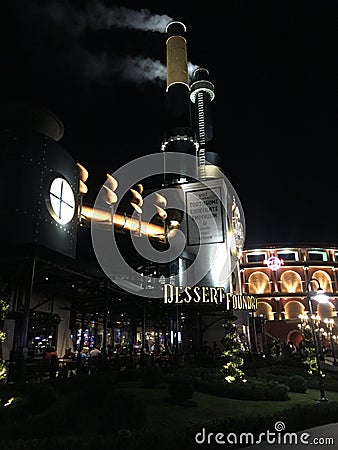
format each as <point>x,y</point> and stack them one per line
<point>179,136</point>
<point>177,61</point>
<point>202,93</point>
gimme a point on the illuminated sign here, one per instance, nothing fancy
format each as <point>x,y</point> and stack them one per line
<point>274,262</point>
<point>207,294</point>
<point>204,215</point>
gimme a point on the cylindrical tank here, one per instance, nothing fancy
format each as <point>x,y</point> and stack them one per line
<point>38,183</point>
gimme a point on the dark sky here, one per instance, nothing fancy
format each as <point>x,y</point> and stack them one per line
<point>274,66</point>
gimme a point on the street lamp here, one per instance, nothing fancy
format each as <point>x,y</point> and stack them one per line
<point>330,325</point>
<point>320,297</point>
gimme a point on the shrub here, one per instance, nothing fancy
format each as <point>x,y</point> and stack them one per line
<point>151,376</point>
<point>180,388</point>
<point>295,383</point>
<point>293,368</point>
<point>330,383</point>
<point>124,412</point>
<point>128,374</point>
<point>252,390</point>
<point>37,397</point>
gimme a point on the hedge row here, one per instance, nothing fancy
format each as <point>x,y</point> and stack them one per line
<point>295,419</point>
<point>253,390</point>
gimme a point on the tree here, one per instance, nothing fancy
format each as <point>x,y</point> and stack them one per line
<point>230,357</point>
<point>308,350</point>
<point>3,312</point>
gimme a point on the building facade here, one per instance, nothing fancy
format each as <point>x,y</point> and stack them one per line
<point>279,277</point>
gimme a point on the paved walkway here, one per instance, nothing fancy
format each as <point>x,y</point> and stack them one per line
<point>323,437</point>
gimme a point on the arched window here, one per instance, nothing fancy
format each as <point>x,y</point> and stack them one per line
<point>259,283</point>
<point>324,280</point>
<point>293,309</point>
<point>326,309</point>
<point>291,282</point>
<point>265,309</point>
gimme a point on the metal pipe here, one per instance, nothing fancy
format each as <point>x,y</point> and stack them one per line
<point>177,61</point>
<point>123,222</point>
<point>179,136</point>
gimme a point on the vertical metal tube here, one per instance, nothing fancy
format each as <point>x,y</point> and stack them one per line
<point>28,297</point>
<point>201,94</point>
<point>105,317</point>
<point>179,136</point>
<point>178,101</point>
<point>177,61</point>
<point>143,327</point>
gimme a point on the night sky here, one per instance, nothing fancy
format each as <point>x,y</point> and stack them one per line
<point>274,66</point>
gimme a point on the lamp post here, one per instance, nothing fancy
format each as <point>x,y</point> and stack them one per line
<point>330,325</point>
<point>320,297</point>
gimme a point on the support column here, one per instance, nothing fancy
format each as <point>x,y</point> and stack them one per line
<point>105,317</point>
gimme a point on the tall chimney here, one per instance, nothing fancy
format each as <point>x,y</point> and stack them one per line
<point>179,136</point>
<point>202,93</point>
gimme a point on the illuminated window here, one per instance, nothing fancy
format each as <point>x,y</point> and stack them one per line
<point>293,309</point>
<point>288,255</point>
<point>264,309</point>
<point>291,282</point>
<point>317,255</point>
<point>326,309</point>
<point>62,201</point>
<point>259,283</point>
<point>324,280</point>
<point>255,257</point>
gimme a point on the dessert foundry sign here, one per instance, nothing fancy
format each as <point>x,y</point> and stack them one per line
<point>207,294</point>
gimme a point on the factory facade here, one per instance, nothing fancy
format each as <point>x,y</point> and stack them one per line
<point>63,270</point>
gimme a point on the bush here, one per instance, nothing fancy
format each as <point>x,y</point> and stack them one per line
<point>151,377</point>
<point>125,411</point>
<point>252,390</point>
<point>128,374</point>
<point>330,383</point>
<point>293,368</point>
<point>84,382</point>
<point>37,397</point>
<point>180,388</point>
<point>115,411</point>
<point>297,418</point>
<point>295,383</point>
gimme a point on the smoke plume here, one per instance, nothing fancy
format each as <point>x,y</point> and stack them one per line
<point>60,21</point>
<point>99,16</point>
<point>136,69</point>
